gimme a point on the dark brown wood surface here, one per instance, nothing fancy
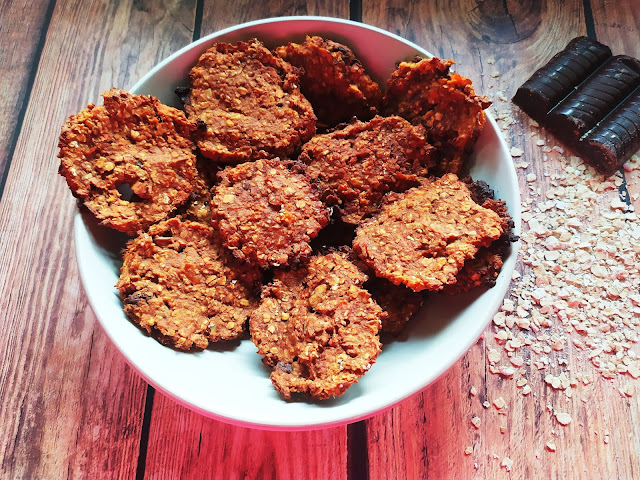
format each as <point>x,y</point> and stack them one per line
<point>70,407</point>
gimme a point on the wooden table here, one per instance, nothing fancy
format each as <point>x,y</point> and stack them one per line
<point>70,405</point>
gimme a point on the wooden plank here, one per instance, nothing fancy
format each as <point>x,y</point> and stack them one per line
<point>218,15</point>
<point>183,444</point>
<point>616,24</point>
<point>71,406</point>
<point>200,444</point>
<point>21,29</point>
<point>498,47</point>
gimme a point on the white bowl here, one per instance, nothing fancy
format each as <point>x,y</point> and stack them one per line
<point>229,382</point>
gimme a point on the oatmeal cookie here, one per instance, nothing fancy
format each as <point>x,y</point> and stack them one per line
<point>267,211</point>
<point>421,238</point>
<point>248,104</point>
<point>426,92</point>
<point>398,303</point>
<point>179,283</point>
<point>198,206</point>
<point>357,165</point>
<point>130,161</point>
<point>484,268</point>
<point>317,327</point>
<point>333,80</point>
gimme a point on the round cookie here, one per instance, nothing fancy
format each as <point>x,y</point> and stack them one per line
<point>425,92</point>
<point>333,80</point>
<point>357,165</point>
<point>178,282</point>
<point>130,160</point>
<point>421,238</point>
<point>247,104</point>
<point>317,327</point>
<point>267,211</point>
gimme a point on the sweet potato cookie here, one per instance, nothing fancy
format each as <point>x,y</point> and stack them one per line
<point>398,303</point>
<point>198,205</point>
<point>179,283</point>
<point>357,165</point>
<point>317,327</point>
<point>484,268</point>
<point>426,92</point>
<point>267,211</point>
<point>134,143</point>
<point>333,80</point>
<point>248,104</point>
<point>421,238</point>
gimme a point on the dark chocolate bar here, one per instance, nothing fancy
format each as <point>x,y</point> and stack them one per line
<point>594,99</point>
<point>560,76</point>
<point>589,100</point>
<point>614,139</point>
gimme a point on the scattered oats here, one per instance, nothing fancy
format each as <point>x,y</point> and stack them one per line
<point>503,429</point>
<point>493,355</point>
<point>526,390</point>
<point>540,142</point>
<point>507,463</point>
<point>495,74</point>
<point>499,403</point>
<point>486,404</point>
<point>606,439</point>
<point>491,60</point>
<point>629,390</point>
<point>498,319</point>
<point>634,369</point>
<point>473,391</point>
<point>476,422</point>
<point>516,152</point>
<point>563,418</point>
<point>551,446</point>
<point>516,361</point>
<point>507,371</point>
<point>531,177</point>
<point>507,306</point>
<point>468,450</point>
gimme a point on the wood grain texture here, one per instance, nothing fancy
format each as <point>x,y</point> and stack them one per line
<point>498,45</point>
<point>218,14</point>
<point>22,26</point>
<point>70,405</point>
<point>183,444</point>
<point>207,445</point>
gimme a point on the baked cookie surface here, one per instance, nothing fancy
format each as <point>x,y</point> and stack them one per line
<point>426,92</point>
<point>333,80</point>
<point>130,161</point>
<point>357,165</point>
<point>317,327</point>
<point>247,103</point>
<point>267,211</point>
<point>178,282</point>
<point>422,237</point>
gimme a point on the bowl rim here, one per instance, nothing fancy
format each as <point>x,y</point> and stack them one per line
<point>457,350</point>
